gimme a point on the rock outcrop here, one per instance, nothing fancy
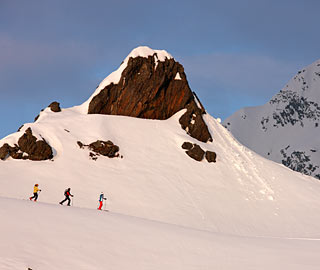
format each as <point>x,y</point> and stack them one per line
<point>54,106</point>
<point>197,153</point>
<point>104,148</point>
<point>211,156</point>
<point>153,90</point>
<point>28,147</point>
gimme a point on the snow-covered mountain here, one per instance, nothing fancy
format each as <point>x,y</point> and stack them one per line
<point>285,129</point>
<point>175,165</point>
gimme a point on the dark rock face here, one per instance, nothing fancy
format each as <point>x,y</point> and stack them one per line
<point>4,151</point>
<point>299,161</point>
<point>81,145</point>
<point>193,123</point>
<point>211,156</point>
<point>187,145</point>
<point>104,148</point>
<point>28,147</point>
<point>36,150</point>
<point>196,152</point>
<point>149,90</point>
<point>55,106</point>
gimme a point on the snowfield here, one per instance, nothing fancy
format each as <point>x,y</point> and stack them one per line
<point>167,211</point>
<point>46,236</point>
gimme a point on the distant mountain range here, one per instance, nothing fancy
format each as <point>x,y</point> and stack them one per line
<point>287,128</point>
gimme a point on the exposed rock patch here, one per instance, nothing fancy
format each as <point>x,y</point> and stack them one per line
<point>187,145</point>
<point>104,148</point>
<point>148,89</point>
<point>55,106</point>
<point>211,156</point>
<point>192,122</point>
<point>28,147</point>
<point>197,153</point>
<point>4,151</point>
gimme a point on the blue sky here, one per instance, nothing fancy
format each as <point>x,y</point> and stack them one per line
<point>236,53</point>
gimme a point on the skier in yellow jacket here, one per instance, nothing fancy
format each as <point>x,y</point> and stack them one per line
<point>35,193</point>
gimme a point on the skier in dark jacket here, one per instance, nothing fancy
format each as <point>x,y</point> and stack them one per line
<point>101,198</point>
<point>67,198</point>
<point>35,193</point>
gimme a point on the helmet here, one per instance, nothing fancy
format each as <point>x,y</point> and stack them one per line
<point>36,185</point>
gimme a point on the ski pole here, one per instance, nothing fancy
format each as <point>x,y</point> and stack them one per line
<point>105,204</point>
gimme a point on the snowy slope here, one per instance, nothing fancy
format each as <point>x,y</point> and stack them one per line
<point>167,211</point>
<point>49,237</point>
<point>242,193</point>
<point>286,128</point>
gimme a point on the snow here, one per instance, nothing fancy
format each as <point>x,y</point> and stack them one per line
<point>177,77</point>
<point>160,182</point>
<point>167,211</point>
<point>48,237</point>
<point>197,101</point>
<point>246,124</point>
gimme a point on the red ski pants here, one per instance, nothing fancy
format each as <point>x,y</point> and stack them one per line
<point>100,206</point>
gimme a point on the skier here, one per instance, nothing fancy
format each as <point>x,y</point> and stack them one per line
<point>35,193</point>
<point>67,198</point>
<point>101,198</point>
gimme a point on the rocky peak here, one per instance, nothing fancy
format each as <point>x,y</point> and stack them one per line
<point>152,86</point>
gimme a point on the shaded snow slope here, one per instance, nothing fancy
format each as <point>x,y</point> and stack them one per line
<point>286,128</point>
<point>242,193</point>
<point>48,237</point>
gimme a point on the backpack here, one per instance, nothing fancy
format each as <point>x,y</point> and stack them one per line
<point>66,192</point>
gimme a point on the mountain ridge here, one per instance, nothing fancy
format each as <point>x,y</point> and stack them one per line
<point>285,129</point>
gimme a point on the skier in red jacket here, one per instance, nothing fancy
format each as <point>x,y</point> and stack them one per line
<point>67,198</point>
